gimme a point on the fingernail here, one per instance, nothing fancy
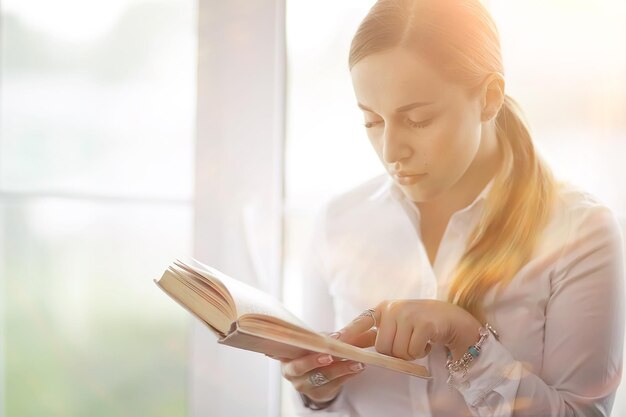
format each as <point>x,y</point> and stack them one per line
<point>335,335</point>
<point>325,359</point>
<point>356,366</point>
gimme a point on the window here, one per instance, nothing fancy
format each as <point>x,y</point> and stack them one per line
<point>96,140</point>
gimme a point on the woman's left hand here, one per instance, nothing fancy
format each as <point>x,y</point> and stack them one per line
<point>407,327</point>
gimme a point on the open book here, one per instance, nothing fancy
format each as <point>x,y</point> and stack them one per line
<point>247,318</point>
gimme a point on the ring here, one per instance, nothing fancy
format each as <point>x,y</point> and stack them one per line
<point>370,312</point>
<point>317,379</point>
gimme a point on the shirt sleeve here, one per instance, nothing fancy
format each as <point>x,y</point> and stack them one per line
<point>317,306</point>
<point>584,335</point>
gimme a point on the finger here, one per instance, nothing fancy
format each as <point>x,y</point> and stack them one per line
<point>358,325</point>
<point>337,370</point>
<point>400,347</point>
<point>321,393</point>
<point>419,345</point>
<point>366,339</point>
<point>332,373</point>
<point>386,334</point>
<point>300,366</point>
<point>335,335</point>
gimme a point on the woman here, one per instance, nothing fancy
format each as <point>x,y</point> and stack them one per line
<point>467,239</point>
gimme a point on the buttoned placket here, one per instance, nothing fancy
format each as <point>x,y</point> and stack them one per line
<point>449,251</point>
<point>451,245</point>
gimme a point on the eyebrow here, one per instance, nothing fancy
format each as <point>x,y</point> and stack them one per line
<point>401,109</point>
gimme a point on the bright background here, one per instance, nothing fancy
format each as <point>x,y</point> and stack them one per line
<point>97,132</point>
<point>97,110</point>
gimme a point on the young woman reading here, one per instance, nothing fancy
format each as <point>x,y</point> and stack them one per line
<point>466,255</point>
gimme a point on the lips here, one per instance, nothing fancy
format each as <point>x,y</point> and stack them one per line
<point>401,174</point>
<point>409,179</point>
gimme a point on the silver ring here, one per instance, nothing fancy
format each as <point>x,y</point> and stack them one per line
<point>370,313</point>
<point>317,379</point>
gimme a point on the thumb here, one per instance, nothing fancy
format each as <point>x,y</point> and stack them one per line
<point>335,335</point>
<point>362,340</point>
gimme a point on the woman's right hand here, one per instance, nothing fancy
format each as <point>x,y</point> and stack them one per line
<point>297,371</point>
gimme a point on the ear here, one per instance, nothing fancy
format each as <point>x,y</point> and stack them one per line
<point>491,96</point>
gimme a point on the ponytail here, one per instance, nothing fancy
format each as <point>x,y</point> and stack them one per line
<point>517,208</point>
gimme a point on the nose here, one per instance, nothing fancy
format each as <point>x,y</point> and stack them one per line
<point>396,145</point>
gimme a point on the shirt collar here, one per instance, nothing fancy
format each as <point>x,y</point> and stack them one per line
<point>390,187</point>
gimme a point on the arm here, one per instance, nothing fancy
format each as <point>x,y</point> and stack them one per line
<point>584,336</point>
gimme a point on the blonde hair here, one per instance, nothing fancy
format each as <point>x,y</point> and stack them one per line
<point>460,38</point>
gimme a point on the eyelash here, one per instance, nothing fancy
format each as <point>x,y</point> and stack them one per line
<point>418,125</point>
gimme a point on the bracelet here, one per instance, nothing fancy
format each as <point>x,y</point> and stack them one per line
<point>314,405</point>
<point>462,365</point>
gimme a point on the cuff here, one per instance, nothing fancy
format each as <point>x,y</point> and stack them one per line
<point>337,409</point>
<point>494,369</point>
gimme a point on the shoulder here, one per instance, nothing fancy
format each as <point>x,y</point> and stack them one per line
<point>362,196</point>
<point>349,207</point>
<point>585,226</point>
<point>358,213</point>
<point>579,210</point>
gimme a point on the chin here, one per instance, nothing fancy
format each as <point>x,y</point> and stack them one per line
<point>416,196</point>
<point>419,194</point>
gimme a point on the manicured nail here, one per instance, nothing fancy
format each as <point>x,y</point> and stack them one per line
<point>325,359</point>
<point>335,335</point>
<point>356,366</point>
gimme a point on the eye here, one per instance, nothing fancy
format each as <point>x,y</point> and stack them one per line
<point>419,125</point>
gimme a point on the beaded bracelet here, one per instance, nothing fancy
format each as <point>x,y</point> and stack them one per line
<point>473,351</point>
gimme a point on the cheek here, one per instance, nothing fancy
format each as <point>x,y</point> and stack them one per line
<point>455,145</point>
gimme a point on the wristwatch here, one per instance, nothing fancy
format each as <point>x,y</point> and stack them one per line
<point>314,405</point>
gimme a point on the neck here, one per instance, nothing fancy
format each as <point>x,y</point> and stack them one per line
<point>484,166</point>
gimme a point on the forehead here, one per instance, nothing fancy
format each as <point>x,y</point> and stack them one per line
<point>395,77</point>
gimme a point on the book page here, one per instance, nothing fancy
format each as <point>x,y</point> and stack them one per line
<point>248,299</point>
<point>286,335</point>
<point>206,290</point>
<point>193,302</point>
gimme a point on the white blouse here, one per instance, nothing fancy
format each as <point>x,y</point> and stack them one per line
<point>560,321</point>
